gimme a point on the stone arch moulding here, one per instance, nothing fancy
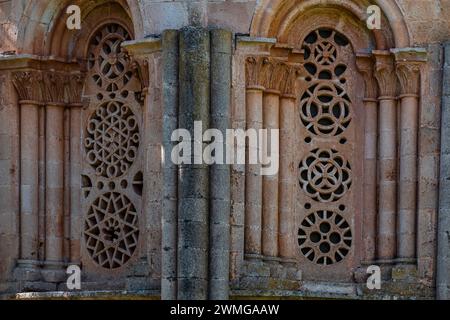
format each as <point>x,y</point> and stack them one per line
<point>43,29</point>
<point>273,17</point>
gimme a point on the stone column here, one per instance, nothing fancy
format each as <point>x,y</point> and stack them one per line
<point>170,170</point>
<point>443,249</point>
<point>286,241</point>
<point>408,72</point>
<point>54,197</point>
<point>54,176</point>
<point>253,178</point>
<point>271,120</point>
<point>387,148</point>
<point>220,183</point>
<point>76,82</point>
<point>365,66</point>
<point>193,188</point>
<point>29,94</point>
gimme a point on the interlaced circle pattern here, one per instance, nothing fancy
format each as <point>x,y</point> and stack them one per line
<point>325,109</point>
<point>325,175</point>
<point>107,62</point>
<point>111,230</point>
<point>112,139</point>
<point>325,237</point>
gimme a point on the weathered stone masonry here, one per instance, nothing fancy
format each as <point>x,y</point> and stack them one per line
<point>86,176</point>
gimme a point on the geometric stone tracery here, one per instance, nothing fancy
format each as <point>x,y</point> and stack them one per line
<point>325,175</point>
<point>112,139</point>
<point>111,230</point>
<point>112,190</point>
<point>325,237</point>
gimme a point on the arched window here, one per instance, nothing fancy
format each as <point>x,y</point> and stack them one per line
<point>112,178</point>
<point>328,155</point>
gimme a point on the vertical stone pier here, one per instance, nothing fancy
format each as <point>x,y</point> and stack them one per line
<point>170,170</point>
<point>193,186</point>
<point>220,184</point>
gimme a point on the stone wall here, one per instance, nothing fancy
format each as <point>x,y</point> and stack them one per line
<point>215,231</point>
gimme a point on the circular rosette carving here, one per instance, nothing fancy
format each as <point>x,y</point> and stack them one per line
<point>112,139</point>
<point>325,175</point>
<point>325,237</point>
<point>107,61</point>
<point>325,109</point>
<point>322,47</point>
<point>111,230</point>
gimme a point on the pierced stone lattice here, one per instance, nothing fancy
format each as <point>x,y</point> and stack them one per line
<point>325,175</point>
<point>325,109</point>
<point>112,139</point>
<point>111,230</point>
<point>325,237</point>
<point>325,106</point>
<point>107,62</point>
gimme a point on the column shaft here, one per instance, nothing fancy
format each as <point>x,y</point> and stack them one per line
<point>54,183</point>
<point>287,181</point>
<point>193,188</point>
<point>29,180</point>
<point>408,178</point>
<point>370,179</point>
<point>253,179</point>
<point>170,170</point>
<point>387,179</point>
<point>75,183</point>
<point>220,183</point>
<point>271,114</point>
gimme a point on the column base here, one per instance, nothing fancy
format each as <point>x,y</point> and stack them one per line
<point>405,271</point>
<point>54,271</point>
<point>28,270</point>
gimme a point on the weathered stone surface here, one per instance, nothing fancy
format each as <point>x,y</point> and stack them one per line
<point>85,149</point>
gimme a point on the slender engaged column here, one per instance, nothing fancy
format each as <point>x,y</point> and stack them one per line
<point>271,113</point>
<point>365,66</point>
<point>29,96</point>
<point>385,74</point>
<point>253,179</point>
<point>29,181</point>
<point>408,72</point>
<point>287,182</point>
<point>54,185</point>
<point>75,183</point>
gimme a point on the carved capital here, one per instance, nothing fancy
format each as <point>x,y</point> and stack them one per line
<point>254,71</point>
<point>29,85</point>
<point>365,65</point>
<point>75,88</point>
<point>140,66</point>
<point>409,77</point>
<point>272,74</point>
<point>385,74</point>
<point>288,79</point>
<point>54,84</point>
